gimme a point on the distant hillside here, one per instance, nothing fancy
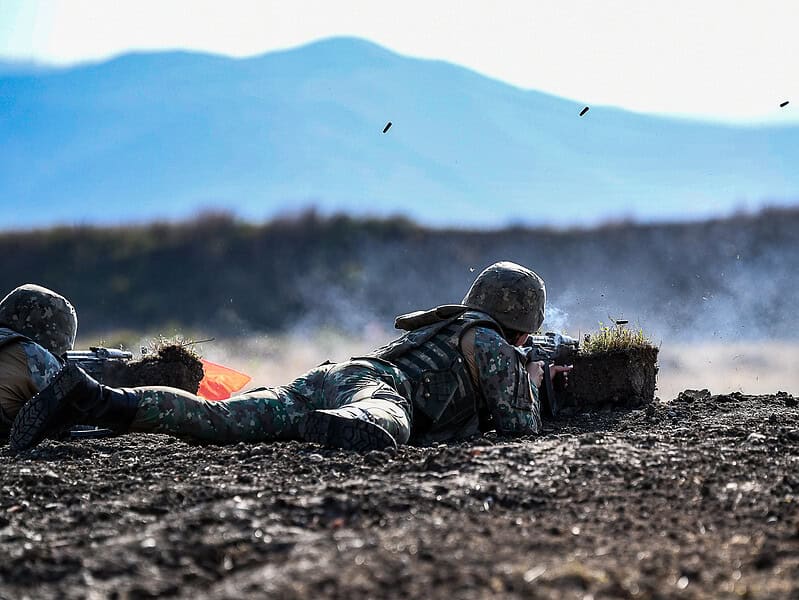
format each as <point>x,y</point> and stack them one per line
<point>719,280</point>
<point>161,135</point>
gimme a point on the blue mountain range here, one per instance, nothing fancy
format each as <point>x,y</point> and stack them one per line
<point>163,135</point>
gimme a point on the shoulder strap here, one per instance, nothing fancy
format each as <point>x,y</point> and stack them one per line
<point>435,323</point>
<point>478,319</point>
<point>423,318</point>
<point>412,339</point>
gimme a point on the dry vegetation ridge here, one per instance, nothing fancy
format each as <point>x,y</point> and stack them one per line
<point>717,280</point>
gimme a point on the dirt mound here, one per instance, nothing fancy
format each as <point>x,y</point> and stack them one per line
<point>617,378</point>
<point>172,365</point>
<point>694,498</point>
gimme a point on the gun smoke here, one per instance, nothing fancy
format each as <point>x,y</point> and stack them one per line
<point>726,280</point>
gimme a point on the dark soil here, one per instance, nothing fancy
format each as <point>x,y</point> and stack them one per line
<point>694,498</point>
<point>620,378</point>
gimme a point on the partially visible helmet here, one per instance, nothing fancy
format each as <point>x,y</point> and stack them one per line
<point>42,315</point>
<point>512,294</point>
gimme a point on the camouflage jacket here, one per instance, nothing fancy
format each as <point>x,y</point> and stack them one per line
<point>461,376</point>
<point>41,368</point>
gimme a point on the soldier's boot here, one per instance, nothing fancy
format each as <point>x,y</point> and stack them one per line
<point>72,397</point>
<point>347,428</point>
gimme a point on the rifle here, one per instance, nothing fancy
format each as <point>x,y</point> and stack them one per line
<point>551,348</point>
<point>94,361</point>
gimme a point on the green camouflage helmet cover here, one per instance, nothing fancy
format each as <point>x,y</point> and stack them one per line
<point>512,294</point>
<point>42,315</point>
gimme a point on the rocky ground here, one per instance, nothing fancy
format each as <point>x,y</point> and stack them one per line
<point>693,498</point>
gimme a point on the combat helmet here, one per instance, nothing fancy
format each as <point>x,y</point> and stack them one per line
<point>42,315</point>
<point>512,294</point>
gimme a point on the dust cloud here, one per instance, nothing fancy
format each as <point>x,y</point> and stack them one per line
<point>717,297</point>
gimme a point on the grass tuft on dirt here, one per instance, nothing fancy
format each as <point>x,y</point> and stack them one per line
<point>154,346</point>
<point>615,367</point>
<point>166,362</point>
<point>615,339</point>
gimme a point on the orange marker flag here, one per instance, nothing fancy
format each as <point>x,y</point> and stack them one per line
<point>220,382</point>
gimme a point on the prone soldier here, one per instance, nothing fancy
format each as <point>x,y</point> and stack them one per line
<point>455,372</point>
<point>37,326</point>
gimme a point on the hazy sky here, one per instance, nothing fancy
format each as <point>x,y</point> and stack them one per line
<point>730,60</point>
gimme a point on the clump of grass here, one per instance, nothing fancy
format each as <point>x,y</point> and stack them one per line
<point>155,345</point>
<point>616,338</point>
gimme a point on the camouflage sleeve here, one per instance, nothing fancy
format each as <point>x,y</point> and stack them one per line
<point>43,366</point>
<point>25,369</point>
<point>511,397</point>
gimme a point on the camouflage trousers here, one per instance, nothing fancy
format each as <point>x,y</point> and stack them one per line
<point>368,388</point>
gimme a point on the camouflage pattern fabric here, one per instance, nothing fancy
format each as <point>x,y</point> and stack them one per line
<point>447,404</point>
<point>367,387</point>
<point>511,397</point>
<point>42,364</point>
<point>453,399</point>
<point>513,295</point>
<point>41,315</point>
<point>25,369</point>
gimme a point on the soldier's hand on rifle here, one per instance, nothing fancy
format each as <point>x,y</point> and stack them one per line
<point>536,371</point>
<point>555,369</point>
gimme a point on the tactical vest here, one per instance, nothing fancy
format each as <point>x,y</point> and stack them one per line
<point>445,401</point>
<point>8,336</point>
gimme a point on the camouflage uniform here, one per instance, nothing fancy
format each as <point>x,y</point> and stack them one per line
<point>25,369</point>
<point>36,326</point>
<point>451,396</point>
<point>452,374</point>
<point>42,315</point>
<point>264,414</point>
